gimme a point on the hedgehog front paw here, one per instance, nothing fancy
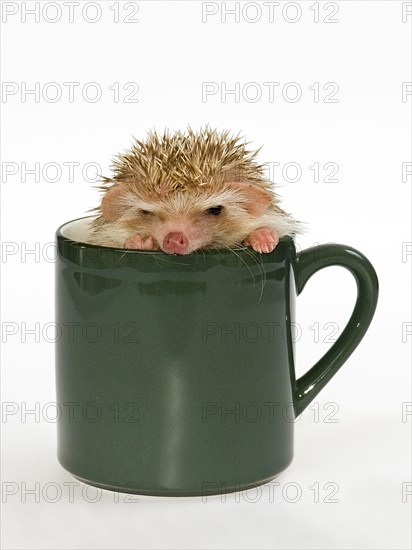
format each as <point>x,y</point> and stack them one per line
<point>140,243</point>
<point>262,240</point>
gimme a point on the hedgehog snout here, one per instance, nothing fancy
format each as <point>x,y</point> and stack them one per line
<point>175,243</point>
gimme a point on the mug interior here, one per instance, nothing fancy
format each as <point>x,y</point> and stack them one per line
<point>78,230</point>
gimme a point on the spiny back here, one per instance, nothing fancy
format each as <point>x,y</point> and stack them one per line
<point>182,161</point>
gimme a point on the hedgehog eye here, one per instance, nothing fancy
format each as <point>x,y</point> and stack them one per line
<point>145,212</point>
<point>215,210</point>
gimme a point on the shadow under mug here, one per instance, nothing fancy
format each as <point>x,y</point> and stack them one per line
<point>175,374</point>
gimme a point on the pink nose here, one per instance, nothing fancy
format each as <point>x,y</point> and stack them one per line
<point>175,242</point>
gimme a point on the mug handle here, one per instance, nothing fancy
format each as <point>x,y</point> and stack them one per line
<point>310,261</point>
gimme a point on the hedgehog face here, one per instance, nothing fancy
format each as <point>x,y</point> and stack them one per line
<point>184,222</point>
<point>181,222</point>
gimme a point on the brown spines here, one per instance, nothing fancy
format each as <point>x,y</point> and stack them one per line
<point>181,161</point>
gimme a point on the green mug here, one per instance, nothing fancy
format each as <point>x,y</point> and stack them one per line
<point>173,372</point>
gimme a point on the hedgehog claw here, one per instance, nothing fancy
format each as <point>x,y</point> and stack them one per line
<point>139,243</point>
<point>262,240</point>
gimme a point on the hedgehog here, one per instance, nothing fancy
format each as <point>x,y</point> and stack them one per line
<point>186,191</point>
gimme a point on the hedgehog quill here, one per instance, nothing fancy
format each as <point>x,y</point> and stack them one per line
<point>183,192</point>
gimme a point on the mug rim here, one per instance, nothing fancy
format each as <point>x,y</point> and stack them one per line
<point>83,244</point>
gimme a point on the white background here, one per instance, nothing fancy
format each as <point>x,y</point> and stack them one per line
<point>169,53</point>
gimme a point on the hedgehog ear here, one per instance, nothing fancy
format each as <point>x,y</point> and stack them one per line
<point>112,207</point>
<point>257,199</point>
